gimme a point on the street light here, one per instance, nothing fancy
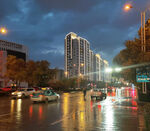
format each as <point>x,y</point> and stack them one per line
<point>3,30</point>
<point>127,7</point>
<point>143,37</point>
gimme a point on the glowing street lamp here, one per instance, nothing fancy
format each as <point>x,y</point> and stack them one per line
<point>3,30</point>
<point>127,7</point>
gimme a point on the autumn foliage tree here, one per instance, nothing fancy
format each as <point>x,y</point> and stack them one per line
<point>15,69</point>
<point>35,73</point>
<point>130,56</point>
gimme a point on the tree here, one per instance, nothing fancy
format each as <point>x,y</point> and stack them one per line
<point>15,69</point>
<point>30,69</point>
<point>35,73</point>
<point>131,55</point>
<point>42,73</point>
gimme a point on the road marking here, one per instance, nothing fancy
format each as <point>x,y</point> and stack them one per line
<point>58,121</point>
<point>8,114</point>
<point>4,114</point>
<point>69,115</point>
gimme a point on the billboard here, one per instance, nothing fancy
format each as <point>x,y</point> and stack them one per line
<point>143,74</point>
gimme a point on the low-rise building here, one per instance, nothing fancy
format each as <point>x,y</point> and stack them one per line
<point>10,48</point>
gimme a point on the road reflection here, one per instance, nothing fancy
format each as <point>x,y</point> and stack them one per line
<point>30,111</point>
<point>117,112</point>
<point>86,115</point>
<point>79,114</point>
<point>18,115</point>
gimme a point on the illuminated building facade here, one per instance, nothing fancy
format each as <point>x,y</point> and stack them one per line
<point>81,61</point>
<point>76,56</point>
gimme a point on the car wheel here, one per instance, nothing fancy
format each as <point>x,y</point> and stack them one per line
<point>46,100</point>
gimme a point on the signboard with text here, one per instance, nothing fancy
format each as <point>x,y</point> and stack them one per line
<point>143,74</point>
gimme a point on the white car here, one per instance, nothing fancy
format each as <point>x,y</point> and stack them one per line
<point>22,93</point>
<point>45,96</point>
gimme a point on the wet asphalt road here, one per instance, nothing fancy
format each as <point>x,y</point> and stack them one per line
<point>119,112</point>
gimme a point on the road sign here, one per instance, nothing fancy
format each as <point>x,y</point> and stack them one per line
<point>143,74</point>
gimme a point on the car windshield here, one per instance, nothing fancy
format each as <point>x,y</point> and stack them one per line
<point>96,89</point>
<point>49,92</point>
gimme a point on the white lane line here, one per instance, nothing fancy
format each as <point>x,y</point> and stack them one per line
<point>69,115</point>
<point>4,114</point>
<point>8,114</point>
<point>58,121</point>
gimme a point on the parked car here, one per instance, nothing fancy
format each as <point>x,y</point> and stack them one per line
<point>8,89</point>
<point>22,93</point>
<point>45,96</point>
<point>98,94</point>
<point>37,88</point>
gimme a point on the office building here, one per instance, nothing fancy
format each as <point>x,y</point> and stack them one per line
<point>18,50</point>
<point>10,48</point>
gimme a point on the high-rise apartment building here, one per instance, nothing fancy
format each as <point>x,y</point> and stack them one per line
<point>81,61</point>
<point>106,76</point>
<point>97,67</point>
<point>91,67</point>
<point>76,56</point>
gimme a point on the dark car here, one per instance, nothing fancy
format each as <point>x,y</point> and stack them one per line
<point>8,89</point>
<point>98,94</point>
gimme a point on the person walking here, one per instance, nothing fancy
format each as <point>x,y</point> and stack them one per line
<point>84,92</point>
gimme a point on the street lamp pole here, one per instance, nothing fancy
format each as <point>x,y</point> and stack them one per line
<point>143,39</point>
<point>143,45</point>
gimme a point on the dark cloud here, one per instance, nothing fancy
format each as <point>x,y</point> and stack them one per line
<point>8,7</point>
<point>67,5</point>
<point>42,25</point>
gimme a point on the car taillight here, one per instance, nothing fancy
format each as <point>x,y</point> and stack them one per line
<point>31,95</point>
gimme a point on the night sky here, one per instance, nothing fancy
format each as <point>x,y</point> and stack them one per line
<point>41,25</point>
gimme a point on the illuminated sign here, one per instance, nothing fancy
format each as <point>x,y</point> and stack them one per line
<point>143,74</point>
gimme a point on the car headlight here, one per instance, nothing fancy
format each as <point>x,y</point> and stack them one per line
<point>12,93</point>
<point>19,93</point>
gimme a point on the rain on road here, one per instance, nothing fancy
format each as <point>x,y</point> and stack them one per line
<point>118,112</point>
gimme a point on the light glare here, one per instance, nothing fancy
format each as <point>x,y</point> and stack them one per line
<point>3,30</point>
<point>127,7</point>
<point>118,69</point>
<point>108,70</point>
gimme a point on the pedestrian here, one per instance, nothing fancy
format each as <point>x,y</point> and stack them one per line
<point>84,92</point>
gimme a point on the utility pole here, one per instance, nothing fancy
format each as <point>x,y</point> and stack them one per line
<point>143,45</point>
